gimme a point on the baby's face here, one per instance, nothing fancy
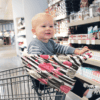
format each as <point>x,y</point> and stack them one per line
<point>45,29</point>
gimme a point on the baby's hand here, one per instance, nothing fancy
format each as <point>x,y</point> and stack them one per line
<point>84,49</point>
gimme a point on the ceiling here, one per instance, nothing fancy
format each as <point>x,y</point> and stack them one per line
<point>6,13</point>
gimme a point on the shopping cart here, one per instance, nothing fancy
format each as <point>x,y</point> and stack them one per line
<point>16,84</point>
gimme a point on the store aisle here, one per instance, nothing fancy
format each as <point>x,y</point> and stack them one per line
<point>9,58</point>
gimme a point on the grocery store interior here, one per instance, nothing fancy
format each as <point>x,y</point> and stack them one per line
<point>77,24</point>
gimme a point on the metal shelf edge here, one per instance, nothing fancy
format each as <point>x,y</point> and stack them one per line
<point>87,79</point>
<point>82,22</point>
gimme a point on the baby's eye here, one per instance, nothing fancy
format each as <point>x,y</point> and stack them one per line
<point>51,26</point>
<point>43,26</point>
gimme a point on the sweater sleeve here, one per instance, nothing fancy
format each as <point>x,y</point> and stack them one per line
<point>63,49</point>
<point>34,50</point>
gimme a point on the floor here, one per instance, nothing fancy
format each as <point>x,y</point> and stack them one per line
<point>9,58</point>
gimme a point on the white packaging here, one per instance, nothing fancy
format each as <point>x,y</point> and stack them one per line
<point>90,32</point>
<point>98,34</point>
<point>80,16</point>
<point>95,30</point>
<point>92,10</point>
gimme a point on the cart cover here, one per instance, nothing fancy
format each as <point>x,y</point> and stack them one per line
<point>57,71</point>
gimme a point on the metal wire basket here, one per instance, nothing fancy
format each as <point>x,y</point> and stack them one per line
<point>16,84</point>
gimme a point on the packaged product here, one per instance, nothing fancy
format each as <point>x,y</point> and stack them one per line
<point>98,34</point>
<point>95,31</point>
<point>90,32</point>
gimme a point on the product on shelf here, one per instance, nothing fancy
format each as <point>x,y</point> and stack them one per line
<point>6,34</point>
<point>80,15</point>
<point>94,10</point>
<point>95,31</point>
<point>90,32</point>
<point>98,34</point>
<point>58,11</point>
<point>61,28</point>
<point>95,55</point>
<point>86,14</point>
<point>90,73</point>
<point>78,37</point>
<point>97,9</point>
<point>84,3</point>
<point>21,36</point>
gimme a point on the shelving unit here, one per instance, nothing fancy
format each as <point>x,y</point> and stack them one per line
<point>93,62</point>
<point>21,35</point>
<point>80,41</point>
<point>88,42</point>
<point>60,17</point>
<point>82,22</point>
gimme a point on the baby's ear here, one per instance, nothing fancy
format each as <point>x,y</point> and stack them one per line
<point>33,31</point>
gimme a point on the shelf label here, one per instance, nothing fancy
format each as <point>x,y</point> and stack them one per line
<point>93,42</point>
<point>79,41</point>
<point>87,41</point>
<point>72,41</point>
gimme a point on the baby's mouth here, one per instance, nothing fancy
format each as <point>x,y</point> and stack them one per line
<point>48,33</point>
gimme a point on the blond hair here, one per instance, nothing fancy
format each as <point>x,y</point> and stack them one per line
<point>37,17</point>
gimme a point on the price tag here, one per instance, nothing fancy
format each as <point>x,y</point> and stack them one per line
<point>79,41</point>
<point>87,41</point>
<point>93,42</point>
<point>72,41</point>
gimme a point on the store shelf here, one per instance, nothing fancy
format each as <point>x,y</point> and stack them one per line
<point>87,79</point>
<point>60,17</point>
<point>78,41</point>
<point>88,42</point>
<point>82,22</point>
<point>93,62</point>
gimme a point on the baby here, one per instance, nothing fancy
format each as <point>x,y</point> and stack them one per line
<point>43,28</point>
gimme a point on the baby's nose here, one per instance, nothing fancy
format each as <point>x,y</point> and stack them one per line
<point>48,28</point>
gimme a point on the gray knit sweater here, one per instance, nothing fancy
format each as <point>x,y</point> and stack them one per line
<point>50,48</point>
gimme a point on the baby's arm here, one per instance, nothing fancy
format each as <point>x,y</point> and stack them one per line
<point>32,49</point>
<point>78,52</point>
